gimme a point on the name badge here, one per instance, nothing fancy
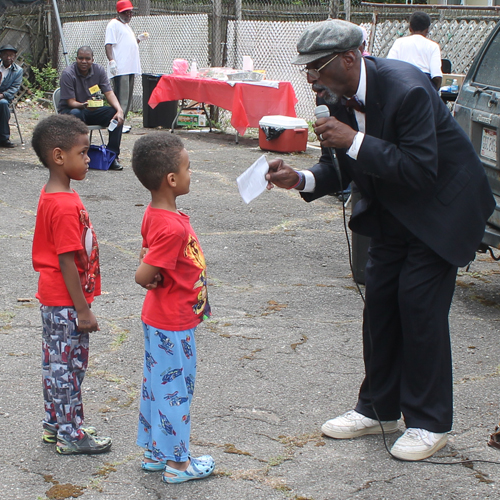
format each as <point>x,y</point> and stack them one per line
<point>94,89</point>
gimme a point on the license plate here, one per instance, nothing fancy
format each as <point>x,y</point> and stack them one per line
<point>489,144</point>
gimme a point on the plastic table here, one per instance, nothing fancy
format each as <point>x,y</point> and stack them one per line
<point>247,102</point>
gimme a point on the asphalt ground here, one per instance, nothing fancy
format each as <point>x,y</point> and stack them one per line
<point>281,354</point>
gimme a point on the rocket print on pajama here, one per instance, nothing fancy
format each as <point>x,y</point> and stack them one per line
<point>167,390</point>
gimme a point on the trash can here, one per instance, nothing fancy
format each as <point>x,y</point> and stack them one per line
<point>165,112</point>
<point>360,245</point>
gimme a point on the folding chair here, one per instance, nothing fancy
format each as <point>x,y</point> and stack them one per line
<point>56,97</point>
<point>12,107</point>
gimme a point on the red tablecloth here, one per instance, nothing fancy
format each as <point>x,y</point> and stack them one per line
<point>248,103</point>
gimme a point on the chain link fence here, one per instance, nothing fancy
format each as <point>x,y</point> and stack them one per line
<point>221,32</point>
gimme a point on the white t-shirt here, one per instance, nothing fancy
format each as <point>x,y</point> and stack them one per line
<point>419,51</point>
<point>125,48</point>
<point>4,70</point>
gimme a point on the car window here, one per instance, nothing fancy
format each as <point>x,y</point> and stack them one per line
<point>489,68</point>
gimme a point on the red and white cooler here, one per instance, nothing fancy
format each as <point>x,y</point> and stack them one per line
<point>291,139</point>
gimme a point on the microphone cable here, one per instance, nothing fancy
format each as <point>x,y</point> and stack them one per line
<point>319,112</point>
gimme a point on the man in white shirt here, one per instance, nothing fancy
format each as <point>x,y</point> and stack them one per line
<point>418,50</point>
<point>122,51</point>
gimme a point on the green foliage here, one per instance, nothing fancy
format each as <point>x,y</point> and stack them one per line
<point>45,80</point>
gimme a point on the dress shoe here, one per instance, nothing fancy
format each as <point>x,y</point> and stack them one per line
<point>7,144</point>
<point>115,166</point>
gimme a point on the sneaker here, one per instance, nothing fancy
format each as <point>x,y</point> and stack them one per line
<point>50,437</point>
<point>199,468</point>
<point>126,129</point>
<point>88,445</point>
<point>352,424</point>
<point>417,444</point>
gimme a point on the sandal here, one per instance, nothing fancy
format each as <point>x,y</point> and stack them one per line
<point>199,468</point>
<point>155,466</point>
<point>50,437</point>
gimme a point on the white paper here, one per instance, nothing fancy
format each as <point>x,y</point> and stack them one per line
<point>252,182</point>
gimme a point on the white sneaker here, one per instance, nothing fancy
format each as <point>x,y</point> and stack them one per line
<point>417,444</point>
<point>126,129</point>
<point>352,424</point>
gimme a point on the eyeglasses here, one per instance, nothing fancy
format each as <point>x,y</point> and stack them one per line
<point>314,73</point>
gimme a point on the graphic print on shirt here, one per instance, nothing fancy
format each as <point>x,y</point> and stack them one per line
<point>194,253</point>
<point>88,258</point>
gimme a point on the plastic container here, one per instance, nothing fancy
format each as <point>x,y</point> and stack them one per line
<point>112,125</point>
<point>194,70</point>
<point>292,139</point>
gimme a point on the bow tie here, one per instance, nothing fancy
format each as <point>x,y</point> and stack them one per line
<point>353,103</point>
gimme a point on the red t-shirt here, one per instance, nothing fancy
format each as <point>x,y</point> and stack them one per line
<point>63,225</point>
<point>180,301</point>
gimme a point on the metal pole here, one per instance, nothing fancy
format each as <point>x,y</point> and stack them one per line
<point>58,19</point>
<point>371,41</point>
<point>347,8</point>
<point>217,34</point>
<point>238,17</point>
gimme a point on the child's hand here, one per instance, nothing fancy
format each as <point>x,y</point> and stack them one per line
<point>157,279</point>
<point>142,254</point>
<point>87,322</point>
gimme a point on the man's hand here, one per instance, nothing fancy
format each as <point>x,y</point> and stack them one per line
<point>87,322</point>
<point>119,117</point>
<point>113,67</point>
<point>281,175</point>
<point>334,134</point>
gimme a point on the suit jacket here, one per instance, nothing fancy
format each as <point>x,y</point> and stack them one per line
<point>415,161</point>
<point>11,83</point>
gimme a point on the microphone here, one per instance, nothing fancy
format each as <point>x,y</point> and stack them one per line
<point>322,111</point>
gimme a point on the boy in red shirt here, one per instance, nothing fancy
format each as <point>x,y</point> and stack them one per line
<point>173,270</point>
<point>66,255</point>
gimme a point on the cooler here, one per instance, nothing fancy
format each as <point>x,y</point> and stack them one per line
<point>283,134</point>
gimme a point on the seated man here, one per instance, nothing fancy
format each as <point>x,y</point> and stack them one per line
<point>82,82</point>
<point>11,78</point>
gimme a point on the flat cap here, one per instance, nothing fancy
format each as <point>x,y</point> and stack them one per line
<point>8,47</point>
<point>325,38</point>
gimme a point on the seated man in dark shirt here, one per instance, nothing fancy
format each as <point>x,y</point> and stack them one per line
<point>80,83</point>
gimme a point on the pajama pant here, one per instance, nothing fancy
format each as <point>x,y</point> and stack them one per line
<point>65,355</point>
<point>167,390</point>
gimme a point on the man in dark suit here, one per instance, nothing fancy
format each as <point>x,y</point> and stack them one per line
<point>424,203</point>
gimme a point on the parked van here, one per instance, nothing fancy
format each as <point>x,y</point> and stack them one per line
<point>477,110</point>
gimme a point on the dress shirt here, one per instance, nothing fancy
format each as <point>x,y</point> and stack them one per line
<point>310,181</point>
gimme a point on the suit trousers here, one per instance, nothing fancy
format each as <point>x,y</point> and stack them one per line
<point>4,120</point>
<point>406,340</point>
<point>123,87</point>
<point>100,116</point>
